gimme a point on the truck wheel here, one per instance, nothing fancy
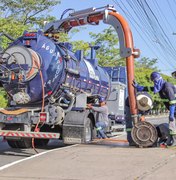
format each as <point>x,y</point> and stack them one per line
<point>41,142</point>
<point>12,143</point>
<point>23,143</point>
<point>18,143</point>
<point>88,131</point>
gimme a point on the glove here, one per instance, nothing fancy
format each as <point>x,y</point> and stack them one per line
<point>171,113</point>
<point>138,87</point>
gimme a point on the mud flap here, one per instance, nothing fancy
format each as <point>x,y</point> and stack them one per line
<point>74,127</point>
<point>72,134</point>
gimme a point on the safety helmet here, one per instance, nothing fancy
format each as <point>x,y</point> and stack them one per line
<point>155,76</point>
<point>101,99</point>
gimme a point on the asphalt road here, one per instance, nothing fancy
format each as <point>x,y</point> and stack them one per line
<point>9,155</point>
<point>157,120</point>
<point>99,161</point>
<point>104,160</point>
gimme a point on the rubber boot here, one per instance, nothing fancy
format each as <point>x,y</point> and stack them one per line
<point>172,127</point>
<point>173,140</point>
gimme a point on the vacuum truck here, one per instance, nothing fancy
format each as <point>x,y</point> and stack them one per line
<point>48,85</point>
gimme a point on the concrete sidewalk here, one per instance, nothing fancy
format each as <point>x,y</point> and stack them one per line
<point>102,161</point>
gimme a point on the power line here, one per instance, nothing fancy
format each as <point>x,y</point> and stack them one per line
<point>144,17</point>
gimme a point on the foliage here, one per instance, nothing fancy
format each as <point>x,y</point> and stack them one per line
<point>63,37</point>
<point>20,15</point>
<point>108,54</point>
<point>81,45</point>
<point>12,27</point>
<point>77,45</point>
<point>146,63</point>
<point>27,11</point>
<point>3,99</point>
<point>169,79</point>
<point>143,68</point>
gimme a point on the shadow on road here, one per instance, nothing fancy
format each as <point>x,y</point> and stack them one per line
<point>6,150</point>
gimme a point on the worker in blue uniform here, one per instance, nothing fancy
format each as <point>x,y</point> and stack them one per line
<point>102,120</point>
<point>167,92</point>
<point>164,137</point>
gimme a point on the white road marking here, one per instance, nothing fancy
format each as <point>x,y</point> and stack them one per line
<point>31,157</point>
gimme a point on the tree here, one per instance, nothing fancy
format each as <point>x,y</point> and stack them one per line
<point>146,63</point>
<point>77,45</point>
<point>143,68</point>
<point>20,15</point>
<point>81,45</point>
<point>108,54</point>
<point>3,98</point>
<point>27,11</point>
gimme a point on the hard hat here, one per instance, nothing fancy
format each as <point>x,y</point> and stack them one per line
<point>101,99</point>
<point>154,76</point>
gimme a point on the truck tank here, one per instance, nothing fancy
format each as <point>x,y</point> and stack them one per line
<point>35,66</point>
<point>49,85</point>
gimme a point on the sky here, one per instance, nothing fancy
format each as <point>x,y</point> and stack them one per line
<point>152,23</point>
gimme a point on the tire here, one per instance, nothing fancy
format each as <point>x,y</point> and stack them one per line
<point>41,142</point>
<point>18,143</point>
<point>25,143</point>
<point>12,143</point>
<point>22,143</point>
<point>88,131</point>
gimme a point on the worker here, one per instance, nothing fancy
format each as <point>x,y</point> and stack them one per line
<point>128,117</point>
<point>102,120</point>
<point>129,123</point>
<point>165,139</point>
<point>167,92</point>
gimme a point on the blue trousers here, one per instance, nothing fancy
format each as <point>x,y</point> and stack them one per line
<point>100,129</point>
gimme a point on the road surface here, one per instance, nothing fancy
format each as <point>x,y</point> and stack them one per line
<point>9,155</point>
<point>100,160</point>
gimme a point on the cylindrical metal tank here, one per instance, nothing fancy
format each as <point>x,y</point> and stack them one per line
<point>35,61</point>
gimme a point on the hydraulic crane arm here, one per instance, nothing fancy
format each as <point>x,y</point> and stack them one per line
<point>143,133</point>
<point>108,15</point>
